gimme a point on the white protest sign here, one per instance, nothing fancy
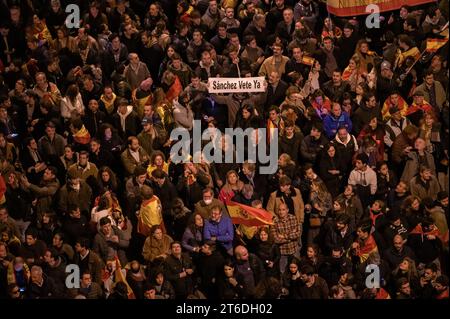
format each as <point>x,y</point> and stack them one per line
<point>236,85</point>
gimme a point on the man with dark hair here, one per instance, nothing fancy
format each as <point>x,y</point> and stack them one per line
<point>88,260</point>
<point>338,234</point>
<point>210,267</point>
<point>179,270</point>
<point>55,267</point>
<point>166,191</point>
<point>364,178</point>
<point>111,242</point>
<point>33,249</point>
<point>425,184</point>
<point>290,140</point>
<point>75,193</point>
<point>425,242</point>
<point>45,191</point>
<point>289,195</point>
<point>335,88</point>
<point>134,156</point>
<point>126,120</point>
<point>369,109</point>
<point>312,286</point>
<point>75,224</point>
<point>313,144</point>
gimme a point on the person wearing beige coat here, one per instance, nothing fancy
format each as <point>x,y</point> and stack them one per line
<point>157,245</point>
<point>287,191</point>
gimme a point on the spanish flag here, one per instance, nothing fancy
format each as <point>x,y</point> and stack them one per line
<point>308,60</point>
<point>435,232</point>
<point>346,8</point>
<point>248,216</point>
<point>435,44</point>
<point>118,277</point>
<point>82,136</point>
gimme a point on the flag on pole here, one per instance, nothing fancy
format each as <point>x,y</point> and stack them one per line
<point>435,44</point>
<point>248,216</point>
<point>120,277</point>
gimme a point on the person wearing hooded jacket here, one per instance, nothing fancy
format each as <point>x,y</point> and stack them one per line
<point>126,120</point>
<point>182,112</point>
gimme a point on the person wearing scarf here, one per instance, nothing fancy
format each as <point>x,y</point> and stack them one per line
<point>364,245</point>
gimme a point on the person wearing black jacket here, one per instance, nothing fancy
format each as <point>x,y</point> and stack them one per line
<point>334,266</point>
<point>425,244</point>
<point>289,142</point>
<point>42,286</point>
<point>164,189</point>
<point>179,270</point>
<point>339,234</point>
<point>395,254</point>
<point>210,264</point>
<point>347,43</point>
<point>331,170</point>
<point>94,118</point>
<point>269,253</point>
<point>231,284</point>
<point>335,88</point>
<point>250,267</point>
<point>99,156</point>
<point>313,144</point>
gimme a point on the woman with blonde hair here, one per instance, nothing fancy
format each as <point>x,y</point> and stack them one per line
<point>320,205</point>
<point>406,269</point>
<point>352,72</point>
<point>365,56</point>
<point>233,186</point>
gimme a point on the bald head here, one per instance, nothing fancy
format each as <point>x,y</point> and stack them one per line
<point>241,253</point>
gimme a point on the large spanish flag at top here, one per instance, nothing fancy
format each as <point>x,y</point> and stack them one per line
<point>346,8</point>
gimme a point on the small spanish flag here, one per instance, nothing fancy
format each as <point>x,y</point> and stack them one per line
<point>248,216</point>
<point>82,136</point>
<point>308,60</point>
<point>435,44</point>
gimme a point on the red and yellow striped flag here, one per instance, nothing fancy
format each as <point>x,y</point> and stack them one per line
<point>435,44</point>
<point>248,216</point>
<point>120,277</point>
<point>308,60</point>
<point>82,136</point>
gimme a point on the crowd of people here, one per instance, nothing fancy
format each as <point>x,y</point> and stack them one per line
<point>86,177</point>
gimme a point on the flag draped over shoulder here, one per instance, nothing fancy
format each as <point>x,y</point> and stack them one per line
<point>82,136</point>
<point>248,216</point>
<point>346,8</point>
<point>434,232</point>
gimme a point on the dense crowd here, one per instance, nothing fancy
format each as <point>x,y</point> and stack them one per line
<point>86,176</point>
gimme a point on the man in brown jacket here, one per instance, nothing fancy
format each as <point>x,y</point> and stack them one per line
<point>290,196</point>
<point>133,156</point>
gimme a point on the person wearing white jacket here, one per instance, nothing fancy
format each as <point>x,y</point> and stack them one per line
<point>72,103</point>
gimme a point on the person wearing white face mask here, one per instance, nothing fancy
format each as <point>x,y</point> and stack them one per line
<point>203,207</point>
